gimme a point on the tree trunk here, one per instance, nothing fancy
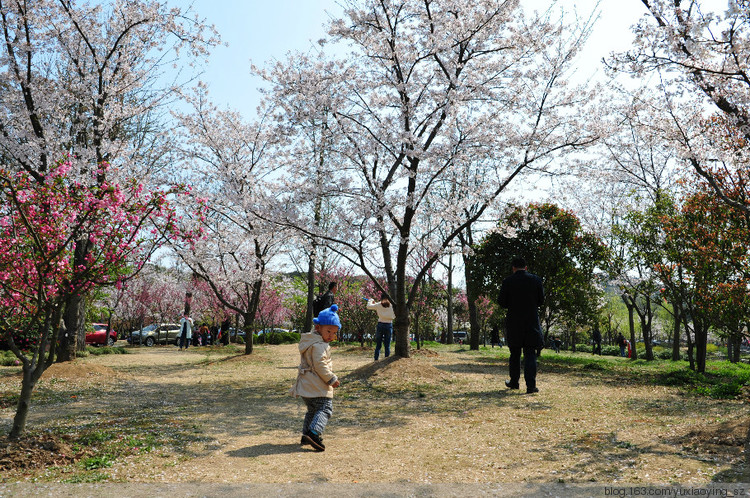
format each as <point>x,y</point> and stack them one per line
<point>472,292</point>
<point>701,340</point>
<point>691,355</point>
<point>81,333</point>
<point>310,291</point>
<point>249,317</point>
<point>449,306</point>
<point>737,345</point>
<point>401,331</point>
<point>247,325</point>
<point>730,347</point>
<point>22,408</point>
<point>75,310</point>
<point>646,320</point>
<point>631,323</point>
<point>33,368</point>
<point>676,334</point>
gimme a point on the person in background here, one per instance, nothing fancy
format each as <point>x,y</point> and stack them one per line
<point>596,336</point>
<point>556,344</point>
<point>186,330</point>
<point>330,295</point>
<point>384,330</point>
<point>203,335</point>
<point>622,343</point>
<point>495,336</point>
<point>224,331</point>
<point>522,294</point>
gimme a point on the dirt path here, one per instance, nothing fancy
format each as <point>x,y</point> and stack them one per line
<point>429,419</point>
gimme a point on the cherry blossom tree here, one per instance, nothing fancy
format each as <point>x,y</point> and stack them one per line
<point>153,295</point>
<point>302,104</point>
<point>226,161</point>
<point>427,86</point>
<point>701,58</point>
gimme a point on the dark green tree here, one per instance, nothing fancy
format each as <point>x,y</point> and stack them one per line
<point>558,249</point>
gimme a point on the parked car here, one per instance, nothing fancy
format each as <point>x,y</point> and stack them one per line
<point>234,334</point>
<point>98,335</point>
<point>272,331</point>
<point>162,333</point>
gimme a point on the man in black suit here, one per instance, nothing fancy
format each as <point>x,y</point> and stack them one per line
<point>522,294</point>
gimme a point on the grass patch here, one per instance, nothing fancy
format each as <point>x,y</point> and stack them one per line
<point>97,462</point>
<point>722,380</point>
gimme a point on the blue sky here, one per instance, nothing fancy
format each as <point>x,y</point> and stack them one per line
<point>257,30</point>
<point>262,30</point>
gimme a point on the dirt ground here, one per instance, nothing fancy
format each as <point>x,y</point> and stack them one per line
<point>437,417</point>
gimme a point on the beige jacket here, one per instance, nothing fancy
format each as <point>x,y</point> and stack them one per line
<point>315,374</point>
<point>385,315</point>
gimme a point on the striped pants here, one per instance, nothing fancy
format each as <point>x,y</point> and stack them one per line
<point>319,410</point>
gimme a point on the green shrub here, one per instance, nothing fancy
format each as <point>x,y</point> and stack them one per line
<point>667,355</point>
<point>277,338</point>
<point>711,348</point>
<point>584,348</point>
<point>239,340</point>
<point>431,344</point>
<point>611,350</point>
<point>9,361</point>
<point>721,391</point>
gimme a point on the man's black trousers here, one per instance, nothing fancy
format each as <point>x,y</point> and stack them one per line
<point>529,366</point>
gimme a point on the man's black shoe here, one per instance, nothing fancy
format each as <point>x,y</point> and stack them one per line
<point>314,440</point>
<point>532,390</point>
<point>303,442</point>
<point>510,386</point>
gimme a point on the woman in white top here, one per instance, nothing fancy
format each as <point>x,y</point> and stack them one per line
<point>385,324</point>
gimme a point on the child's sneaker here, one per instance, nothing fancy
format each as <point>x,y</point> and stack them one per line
<point>314,440</point>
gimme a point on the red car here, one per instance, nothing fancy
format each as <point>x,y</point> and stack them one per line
<point>99,335</point>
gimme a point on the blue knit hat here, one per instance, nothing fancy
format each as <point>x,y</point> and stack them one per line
<point>328,317</point>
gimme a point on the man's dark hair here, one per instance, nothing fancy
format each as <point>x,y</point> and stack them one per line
<point>331,285</point>
<point>518,262</point>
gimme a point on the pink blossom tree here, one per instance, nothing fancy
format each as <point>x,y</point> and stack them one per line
<point>86,81</point>
<point>41,223</point>
<point>272,309</point>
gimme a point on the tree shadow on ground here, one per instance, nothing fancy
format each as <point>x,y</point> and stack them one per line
<point>592,450</point>
<point>723,441</point>
<point>266,449</point>
<point>471,368</point>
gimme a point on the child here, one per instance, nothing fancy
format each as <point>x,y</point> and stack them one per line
<point>315,377</point>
